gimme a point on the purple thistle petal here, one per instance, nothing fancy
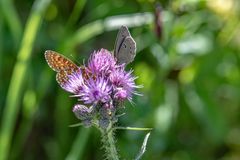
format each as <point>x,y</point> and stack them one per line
<point>95,90</point>
<point>123,83</point>
<point>121,94</point>
<point>101,62</point>
<point>74,83</point>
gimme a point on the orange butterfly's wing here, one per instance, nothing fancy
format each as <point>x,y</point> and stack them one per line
<point>59,62</point>
<point>62,65</point>
<point>62,78</point>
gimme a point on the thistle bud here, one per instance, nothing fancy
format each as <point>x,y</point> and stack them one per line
<point>83,113</point>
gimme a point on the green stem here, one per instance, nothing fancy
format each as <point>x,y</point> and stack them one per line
<point>134,128</point>
<point>109,143</point>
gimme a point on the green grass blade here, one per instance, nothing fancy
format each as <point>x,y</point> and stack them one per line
<point>19,72</point>
<point>1,49</point>
<point>11,16</point>
<point>31,104</point>
<point>78,7</point>
<point>79,143</point>
<point>29,108</point>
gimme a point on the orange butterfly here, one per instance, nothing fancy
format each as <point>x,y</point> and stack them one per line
<point>63,66</point>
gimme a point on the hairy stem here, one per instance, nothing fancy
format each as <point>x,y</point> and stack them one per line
<point>109,143</point>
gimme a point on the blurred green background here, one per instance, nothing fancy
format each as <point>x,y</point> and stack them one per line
<point>187,59</point>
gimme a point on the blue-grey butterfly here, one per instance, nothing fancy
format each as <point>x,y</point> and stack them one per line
<point>125,46</point>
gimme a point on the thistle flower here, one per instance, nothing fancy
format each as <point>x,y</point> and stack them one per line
<point>83,113</point>
<point>101,86</point>
<point>101,62</point>
<point>121,94</point>
<point>106,83</point>
<point>74,82</point>
<point>123,83</point>
<point>95,90</point>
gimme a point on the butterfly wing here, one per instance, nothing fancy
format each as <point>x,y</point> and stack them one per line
<point>122,34</point>
<point>61,78</point>
<point>127,51</point>
<point>62,65</point>
<point>59,62</point>
<point>125,46</point>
